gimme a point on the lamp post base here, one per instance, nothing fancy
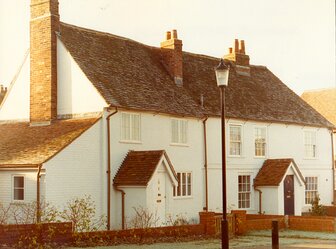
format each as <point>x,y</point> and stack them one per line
<point>225,234</point>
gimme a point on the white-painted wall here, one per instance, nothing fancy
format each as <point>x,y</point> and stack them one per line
<point>75,93</point>
<point>6,186</point>
<point>16,104</point>
<point>78,171</point>
<point>156,135</point>
<point>283,141</point>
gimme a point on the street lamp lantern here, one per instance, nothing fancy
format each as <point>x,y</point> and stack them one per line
<point>222,76</point>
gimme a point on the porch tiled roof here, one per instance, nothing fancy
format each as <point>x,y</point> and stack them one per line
<point>131,75</point>
<point>24,145</point>
<point>273,171</point>
<point>138,168</point>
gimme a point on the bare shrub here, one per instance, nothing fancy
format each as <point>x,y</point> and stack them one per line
<point>4,214</point>
<point>143,218</point>
<point>178,220</point>
<point>82,213</point>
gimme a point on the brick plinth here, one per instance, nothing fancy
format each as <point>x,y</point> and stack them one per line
<point>44,24</point>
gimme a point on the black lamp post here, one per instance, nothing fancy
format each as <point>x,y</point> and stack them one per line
<point>222,77</point>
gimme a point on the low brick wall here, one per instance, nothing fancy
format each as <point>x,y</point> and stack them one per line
<point>136,235</point>
<point>43,233</point>
<point>312,223</point>
<point>264,224</point>
<point>331,211</point>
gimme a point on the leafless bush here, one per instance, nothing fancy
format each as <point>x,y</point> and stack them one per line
<point>178,220</point>
<point>4,214</point>
<point>82,213</point>
<point>143,218</point>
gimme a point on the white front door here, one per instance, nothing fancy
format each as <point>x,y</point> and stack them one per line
<point>160,198</point>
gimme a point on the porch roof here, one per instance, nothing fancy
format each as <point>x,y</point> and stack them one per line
<point>273,171</point>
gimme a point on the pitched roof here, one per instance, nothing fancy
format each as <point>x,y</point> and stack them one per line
<point>139,166</point>
<point>324,101</point>
<point>131,75</point>
<point>23,145</point>
<point>273,170</point>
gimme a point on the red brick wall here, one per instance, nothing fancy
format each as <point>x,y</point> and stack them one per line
<point>320,224</point>
<point>55,232</point>
<point>43,60</point>
<point>331,211</point>
<point>136,235</point>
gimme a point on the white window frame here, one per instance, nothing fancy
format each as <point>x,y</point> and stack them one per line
<point>312,143</point>
<point>183,184</point>
<point>131,126</point>
<point>180,124</point>
<point>309,188</point>
<point>241,140</point>
<point>13,188</point>
<point>244,192</point>
<point>265,143</point>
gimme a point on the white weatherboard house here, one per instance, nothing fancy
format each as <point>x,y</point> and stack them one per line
<point>137,126</point>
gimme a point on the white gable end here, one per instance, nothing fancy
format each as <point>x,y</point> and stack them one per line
<point>75,92</point>
<point>16,104</point>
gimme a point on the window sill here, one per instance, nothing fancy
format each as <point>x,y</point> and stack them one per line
<point>235,156</point>
<point>130,142</point>
<point>259,157</point>
<point>182,197</point>
<point>179,145</point>
<point>310,158</point>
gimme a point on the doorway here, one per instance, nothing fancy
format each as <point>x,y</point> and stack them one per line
<point>289,195</point>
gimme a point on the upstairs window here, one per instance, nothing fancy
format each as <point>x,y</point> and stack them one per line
<point>130,127</point>
<point>311,189</point>
<point>235,137</point>
<point>310,144</point>
<point>179,129</point>
<point>244,191</point>
<point>184,185</point>
<point>18,188</point>
<point>260,141</point>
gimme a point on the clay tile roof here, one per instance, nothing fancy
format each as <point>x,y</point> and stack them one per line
<point>273,171</point>
<point>22,145</point>
<point>138,168</point>
<point>324,101</point>
<point>131,75</point>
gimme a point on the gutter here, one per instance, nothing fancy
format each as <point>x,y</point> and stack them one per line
<point>109,169</point>
<point>122,206</point>
<point>206,208</point>
<point>38,201</point>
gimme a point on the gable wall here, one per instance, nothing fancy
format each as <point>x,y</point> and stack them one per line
<point>16,104</point>
<point>75,93</point>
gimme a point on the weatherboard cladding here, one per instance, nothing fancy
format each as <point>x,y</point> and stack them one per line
<point>131,75</point>
<point>22,144</point>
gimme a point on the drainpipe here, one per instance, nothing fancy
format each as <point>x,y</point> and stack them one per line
<point>333,165</point>
<point>122,206</point>
<point>38,204</point>
<point>109,169</point>
<point>206,165</point>
<point>260,195</point>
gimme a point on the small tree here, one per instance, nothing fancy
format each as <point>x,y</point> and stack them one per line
<point>317,209</point>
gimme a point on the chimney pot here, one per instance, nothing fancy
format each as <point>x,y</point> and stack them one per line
<point>168,35</point>
<point>230,50</point>
<point>242,47</point>
<point>174,34</point>
<point>236,46</point>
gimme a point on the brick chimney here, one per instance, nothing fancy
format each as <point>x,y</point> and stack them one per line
<point>242,60</point>
<point>171,50</point>
<point>44,24</point>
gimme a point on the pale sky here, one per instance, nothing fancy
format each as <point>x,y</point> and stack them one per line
<point>295,39</point>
